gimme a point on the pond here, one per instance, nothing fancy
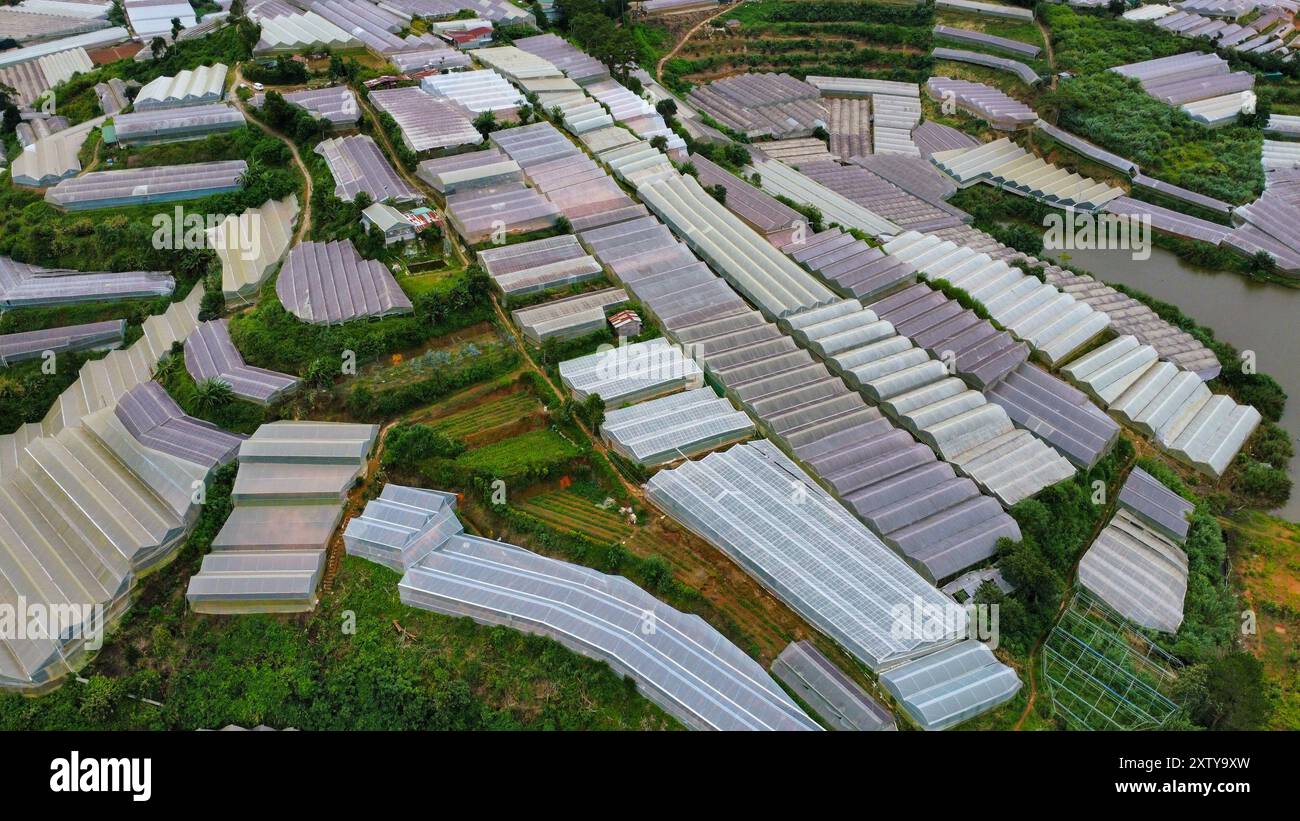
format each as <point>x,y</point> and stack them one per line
<point>1250,315</point>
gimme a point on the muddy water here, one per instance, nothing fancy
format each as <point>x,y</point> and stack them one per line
<point>1250,315</point>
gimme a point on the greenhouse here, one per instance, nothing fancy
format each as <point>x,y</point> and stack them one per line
<point>1053,323</point>
<point>479,215</point>
<point>674,427</point>
<point>94,336</point>
<point>952,685</point>
<point>476,91</point>
<point>762,105</point>
<point>291,33</point>
<point>531,267</point>
<point>250,245</point>
<point>959,55</point>
<point>871,190</point>
<point>335,104</point>
<point>982,39</point>
<point>53,158</point>
<point>253,581</point>
<point>23,285</point>
<point>477,169</point>
<point>402,526</point>
<point>630,372</point>
<point>202,86</point>
<point>850,266</point>
<point>1064,417</point>
<point>176,125</point>
<point>1155,505</point>
<point>837,699</point>
<point>141,186</point>
<point>357,165</point>
<point>329,283</point>
<point>806,549</point>
<point>210,354</point>
<point>1004,164</point>
<point>850,126</point>
<point>781,180</point>
<point>892,119</point>
<point>569,317</point>
<point>777,222</point>
<point>985,102</point>
<point>426,122</point>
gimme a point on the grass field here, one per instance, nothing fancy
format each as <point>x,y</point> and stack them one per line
<point>533,453</point>
<point>482,419</point>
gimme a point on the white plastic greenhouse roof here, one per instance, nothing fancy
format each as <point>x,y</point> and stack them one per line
<point>576,64</point>
<point>337,104</point>
<point>852,86</point>
<point>630,372</point>
<point>105,189</point>
<point>426,122</point>
<point>951,686</point>
<point>251,244</point>
<point>1156,505</point>
<point>91,39</point>
<point>982,39</point>
<point>24,285</point>
<point>481,214</point>
<point>683,665</point>
<point>540,265</point>
<point>568,317</point>
<point>1004,164</point>
<point>1137,571</point>
<point>298,32</point>
<point>18,347</point>
<point>869,189</point>
<point>357,165</point>
<point>985,102</point>
<point>201,86</point>
<point>758,105</point>
<point>477,91</point>
<point>837,699</point>
<point>210,354</point>
<point>779,179</point>
<point>850,266</point>
<point>674,427</point>
<point>170,125</point>
<point>986,9</point>
<point>24,25</point>
<point>808,551</point>
<point>515,63</point>
<point>53,158</point>
<point>328,283</point>
<point>1026,74</point>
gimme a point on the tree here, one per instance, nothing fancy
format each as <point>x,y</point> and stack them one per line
<point>236,9</point>
<point>157,46</point>
<point>667,108</point>
<point>176,27</point>
<point>718,192</point>
<point>593,411</point>
<point>212,395</point>
<point>1233,695</point>
<point>659,142</point>
<point>486,123</point>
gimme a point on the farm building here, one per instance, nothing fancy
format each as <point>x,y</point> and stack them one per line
<point>329,283</point>
<point>392,223</point>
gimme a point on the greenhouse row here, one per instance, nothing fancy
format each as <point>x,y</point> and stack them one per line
<point>202,86</point>
<point>1270,224</point>
<point>931,137</point>
<point>569,317</point>
<point>992,105</point>
<point>837,699</point>
<point>329,283</point>
<point>893,116</point>
<point>557,168</point>
<point>674,427</point>
<point>1188,77</point>
<point>849,126</point>
<point>210,354</point>
<point>53,158</point>
<point>1064,417</point>
<point>1174,407</point>
<point>23,285</point>
<point>762,105</point>
<point>167,125</point>
<point>795,151</point>
<point>83,511</point>
<point>980,38</point>
<point>851,267</point>
<point>780,179</point>
<point>1170,221</point>
<point>683,665</point>
<point>541,265</point>
<point>140,186</point>
<point>288,498</point>
<point>919,392</point>
<point>357,165</point>
<point>806,549</point>
<point>953,685</point>
<point>251,244</point>
<point>1004,164</point>
<point>576,64</point>
<point>93,336</point>
<point>630,372</point>
<point>426,122</point>
<point>1053,323</point>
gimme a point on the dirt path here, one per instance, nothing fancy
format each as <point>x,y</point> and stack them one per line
<point>1051,53</point>
<point>304,224</point>
<point>659,67</point>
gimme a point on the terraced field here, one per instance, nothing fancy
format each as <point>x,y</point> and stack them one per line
<point>507,410</point>
<point>883,40</point>
<point>573,513</point>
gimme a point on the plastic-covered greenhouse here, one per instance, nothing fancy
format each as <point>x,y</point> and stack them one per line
<point>837,699</point>
<point>952,685</point>
<point>674,427</point>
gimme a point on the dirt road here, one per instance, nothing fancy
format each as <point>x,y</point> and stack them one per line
<point>304,224</point>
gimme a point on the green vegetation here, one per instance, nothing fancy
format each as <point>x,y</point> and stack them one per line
<point>206,401</point>
<point>400,668</point>
<point>1091,43</point>
<point>27,392</point>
